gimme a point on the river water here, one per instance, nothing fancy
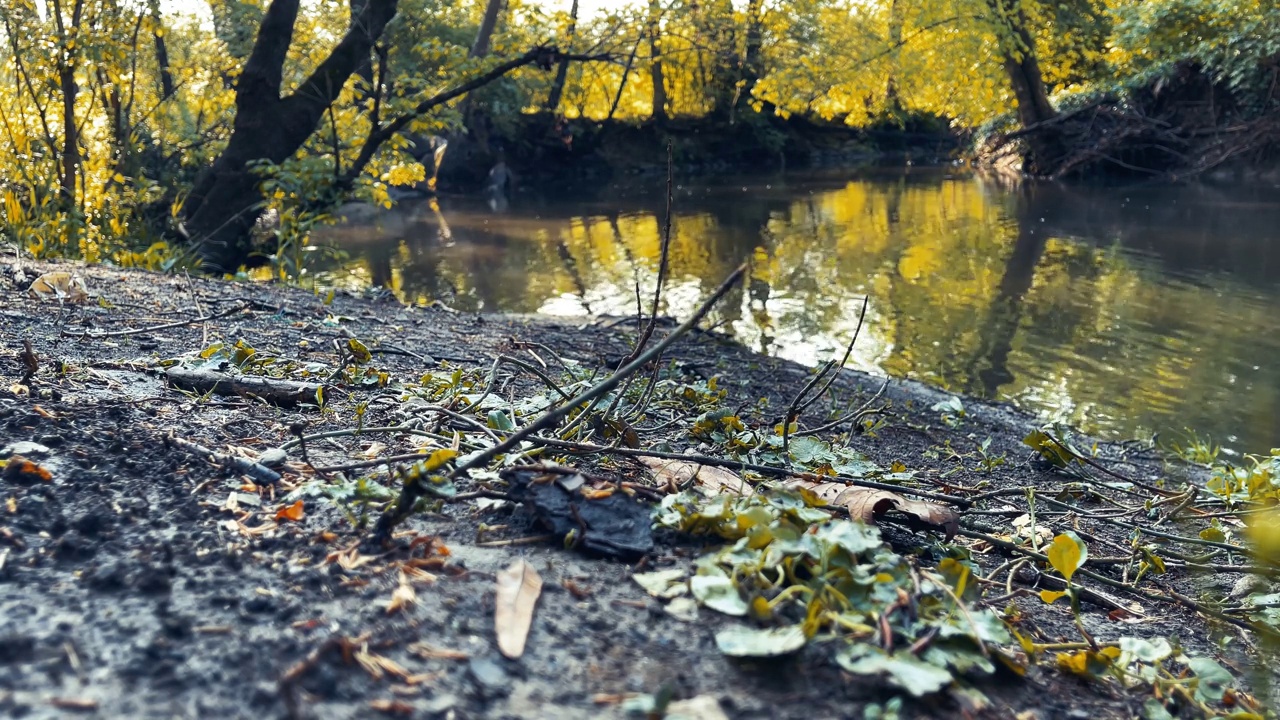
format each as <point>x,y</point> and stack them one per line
<point>1122,310</point>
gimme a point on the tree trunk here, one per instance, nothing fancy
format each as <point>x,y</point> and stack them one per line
<point>752,60</point>
<point>162,53</point>
<point>562,71</point>
<point>224,202</point>
<point>892,98</point>
<point>67,53</point>
<point>487,24</point>
<point>626,73</point>
<point>655,64</point>
<point>1027,82</point>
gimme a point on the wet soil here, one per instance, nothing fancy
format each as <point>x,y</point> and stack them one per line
<point>142,581</point>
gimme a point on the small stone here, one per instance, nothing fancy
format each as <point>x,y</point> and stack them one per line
<point>273,457</point>
<point>1249,585</point>
<point>488,676</point>
<point>24,448</point>
<point>439,705</point>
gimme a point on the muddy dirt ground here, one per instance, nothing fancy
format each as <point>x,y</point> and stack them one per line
<point>142,581</point>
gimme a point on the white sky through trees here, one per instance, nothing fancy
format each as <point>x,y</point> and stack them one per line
<point>586,8</point>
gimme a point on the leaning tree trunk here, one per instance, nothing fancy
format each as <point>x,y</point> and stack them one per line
<point>1044,150</point>
<point>225,202</point>
<point>562,71</point>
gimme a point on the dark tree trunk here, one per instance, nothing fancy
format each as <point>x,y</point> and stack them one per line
<point>225,202</point>
<point>487,25</point>
<point>562,70</point>
<point>1027,83</point>
<point>626,73</point>
<point>892,98</point>
<point>655,64</point>
<point>162,53</point>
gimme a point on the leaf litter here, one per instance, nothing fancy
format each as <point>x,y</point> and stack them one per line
<point>871,571</point>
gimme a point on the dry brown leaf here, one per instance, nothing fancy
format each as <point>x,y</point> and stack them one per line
<point>61,286</point>
<point>428,652</point>
<point>404,595</point>
<point>518,589</point>
<point>290,512</point>
<point>710,480</point>
<point>392,707</point>
<point>870,505</point>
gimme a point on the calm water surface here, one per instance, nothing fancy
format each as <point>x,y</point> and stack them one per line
<point>1121,310</point>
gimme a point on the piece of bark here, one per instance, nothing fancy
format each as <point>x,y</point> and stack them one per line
<point>276,392</point>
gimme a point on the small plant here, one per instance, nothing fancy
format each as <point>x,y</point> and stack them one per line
<point>1195,450</point>
<point>953,411</point>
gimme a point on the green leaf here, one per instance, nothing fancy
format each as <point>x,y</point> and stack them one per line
<point>854,538</point>
<point>1213,534</point>
<point>1067,553</point>
<point>1148,651</point>
<point>499,420</point>
<point>1153,709</point>
<point>1213,679</point>
<point>903,670</point>
<point>743,641</point>
<point>718,593</point>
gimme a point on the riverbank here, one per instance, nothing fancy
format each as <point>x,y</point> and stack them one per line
<point>140,579</point>
<point>541,149</point>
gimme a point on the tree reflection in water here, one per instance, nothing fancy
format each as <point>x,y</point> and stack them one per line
<point>1121,310</point>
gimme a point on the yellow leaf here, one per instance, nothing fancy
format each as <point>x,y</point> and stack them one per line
<point>439,458</point>
<point>1067,553</point>
<point>1049,596</point>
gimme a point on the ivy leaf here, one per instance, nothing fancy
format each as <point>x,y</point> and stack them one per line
<point>1067,553</point>
<point>662,584</point>
<point>718,593</point>
<point>743,641</point>
<point>903,670</point>
<point>1213,679</point>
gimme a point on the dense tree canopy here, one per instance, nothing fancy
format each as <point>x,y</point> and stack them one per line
<point>126,125</point>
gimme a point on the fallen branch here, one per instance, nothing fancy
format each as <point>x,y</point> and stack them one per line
<point>140,331</point>
<point>260,473</point>
<point>276,392</point>
<point>412,491</point>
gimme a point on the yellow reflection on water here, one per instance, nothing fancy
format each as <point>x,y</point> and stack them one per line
<point>1116,312</point>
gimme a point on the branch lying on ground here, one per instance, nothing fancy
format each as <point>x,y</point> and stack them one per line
<point>276,392</point>
<point>412,490</point>
<point>260,473</point>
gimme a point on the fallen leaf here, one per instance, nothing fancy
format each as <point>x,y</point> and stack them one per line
<point>518,589</point>
<point>76,704</point>
<point>20,469</point>
<point>702,707</point>
<point>428,652</point>
<point>663,584</point>
<point>711,481</point>
<point>404,595</point>
<point>290,512</point>
<point>392,707</point>
<point>743,641</point>
<point>61,286</point>
<point>870,505</point>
